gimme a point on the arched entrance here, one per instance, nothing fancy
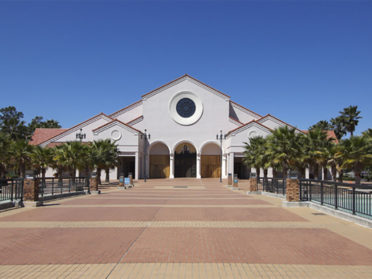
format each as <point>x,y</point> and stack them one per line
<point>210,160</point>
<point>185,160</point>
<point>159,160</point>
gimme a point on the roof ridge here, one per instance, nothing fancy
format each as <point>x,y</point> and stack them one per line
<point>115,119</point>
<point>125,107</point>
<point>270,115</point>
<point>181,77</point>
<point>235,103</point>
<point>249,122</point>
<point>77,126</point>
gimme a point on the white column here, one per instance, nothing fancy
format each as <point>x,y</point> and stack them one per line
<point>224,174</point>
<point>323,178</point>
<point>270,172</point>
<point>171,166</point>
<point>114,173</point>
<point>231,163</point>
<point>198,175</point>
<point>307,173</point>
<point>136,166</point>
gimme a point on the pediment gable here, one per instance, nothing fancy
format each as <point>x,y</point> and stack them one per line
<point>181,79</point>
<point>274,122</point>
<point>116,123</point>
<point>247,126</point>
<point>99,118</point>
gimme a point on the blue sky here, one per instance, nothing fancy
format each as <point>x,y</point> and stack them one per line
<point>301,61</point>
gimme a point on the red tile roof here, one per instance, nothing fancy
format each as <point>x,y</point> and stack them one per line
<point>103,114</point>
<point>330,134</point>
<point>43,134</point>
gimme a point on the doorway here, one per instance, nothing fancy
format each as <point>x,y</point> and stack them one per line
<point>185,160</point>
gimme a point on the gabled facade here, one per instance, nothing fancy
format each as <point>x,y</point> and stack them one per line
<point>182,118</point>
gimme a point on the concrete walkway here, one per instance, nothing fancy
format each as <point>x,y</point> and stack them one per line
<point>182,228</point>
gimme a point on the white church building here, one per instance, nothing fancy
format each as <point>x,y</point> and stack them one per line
<point>180,120</point>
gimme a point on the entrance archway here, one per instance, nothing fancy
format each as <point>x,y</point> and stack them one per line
<point>159,160</point>
<point>210,160</point>
<point>185,160</point>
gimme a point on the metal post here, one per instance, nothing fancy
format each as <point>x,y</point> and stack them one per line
<point>146,137</point>
<point>22,184</point>
<point>221,137</point>
<point>353,200</point>
<point>11,190</point>
<point>52,186</point>
<point>88,182</point>
<point>221,156</point>
<point>42,188</point>
<point>145,158</point>
<point>309,192</point>
<point>321,192</point>
<point>336,198</point>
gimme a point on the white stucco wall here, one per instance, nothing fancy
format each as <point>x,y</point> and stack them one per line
<point>131,113</point>
<point>87,128</point>
<point>159,123</point>
<point>128,142</point>
<point>243,115</point>
<point>271,123</point>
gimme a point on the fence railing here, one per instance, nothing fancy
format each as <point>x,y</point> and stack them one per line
<point>354,198</point>
<point>272,185</point>
<point>11,189</point>
<point>50,186</point>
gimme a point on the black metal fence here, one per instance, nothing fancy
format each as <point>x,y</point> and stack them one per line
<point>272,185</point>
<point>11,189</point>
<point>353,198</point>
<point>50,187</point>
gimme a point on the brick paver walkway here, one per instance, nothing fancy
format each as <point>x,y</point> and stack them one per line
<point>158,231</point>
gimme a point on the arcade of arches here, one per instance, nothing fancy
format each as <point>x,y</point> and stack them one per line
<point>185,161</point>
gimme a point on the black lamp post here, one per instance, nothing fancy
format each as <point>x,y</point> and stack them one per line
<point>80,135</point>
<point>221,137</point>
<point>146,137</point>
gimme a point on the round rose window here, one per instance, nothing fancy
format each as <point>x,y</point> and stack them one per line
<point>185,107</point>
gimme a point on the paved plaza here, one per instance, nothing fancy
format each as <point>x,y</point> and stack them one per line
<point>182,228</point>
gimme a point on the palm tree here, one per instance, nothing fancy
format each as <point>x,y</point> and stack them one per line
<point>4,154</point>
<point>338,125</point>
<point>316,150</point>
<point>284,148</point>
<point>367,133</point>
<point>356,154</point>
<point>302,160</point>
<point>60,162</point>
<point>322,124</point>
<point>74,153</point>
<point>255,152</point>
<point>86,163</point>
<point>105,156</point>
<point>319,149</point>
<point>351,118</point>
<point>41,158</point>
<point>20,152</point>
<point>335,162</point>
